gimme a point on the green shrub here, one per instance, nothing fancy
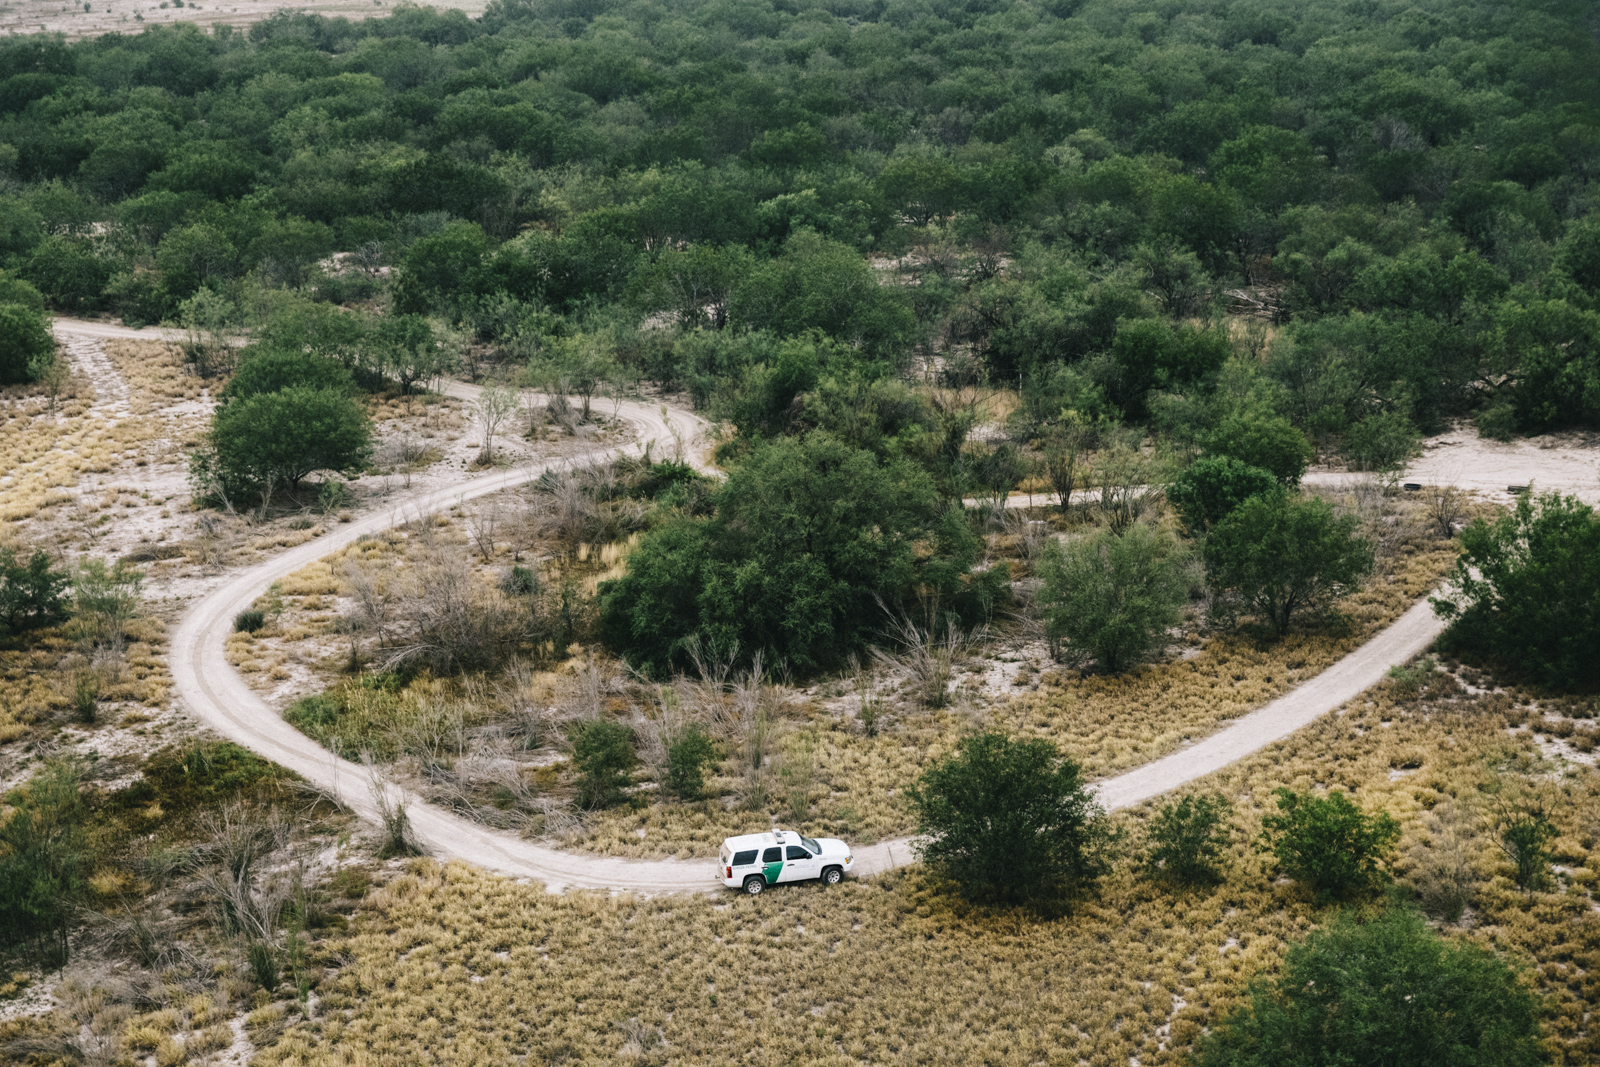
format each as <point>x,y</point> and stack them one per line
<point>44,860</point>
<point>25,343</point>
<point>1524,842</point>
<point>1329,844</point>
<point>1114,598</point>
<point>1387,991</point>
<point>686,763</point>
<point>273,371</point>
<point>1207,491</point>
<point>1523,831</point>
<point>1270,443</point>
<point>248,622</point>
<point>105,599</point>
<point>199,776</point>
<point>1525,593</point>
<point>1009,821</point>
<point>1278,555</point>
<point>265,967</point>
<point>274,439</point>
<point>603,753</point>
<point>809,537</point>
<point>85,696</point>
<point>1381,442</point>
<point>520,581</point>
<point>32,594</point>
<point>1187,839</point>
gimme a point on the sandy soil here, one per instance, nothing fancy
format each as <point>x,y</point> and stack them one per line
<point>131,16</point>
<point>1567,463</point>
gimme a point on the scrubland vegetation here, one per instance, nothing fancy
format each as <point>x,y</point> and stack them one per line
<point>467,676</point>
<point>897,969</point>
<point>161,911</point>
<point>1150,265</point>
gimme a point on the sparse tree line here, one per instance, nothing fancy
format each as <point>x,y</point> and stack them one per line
<point>1010,821</point>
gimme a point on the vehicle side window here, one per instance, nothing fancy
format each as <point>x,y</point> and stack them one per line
<point>772,855</point>
<point>745,858</point>
<point>798,853</point>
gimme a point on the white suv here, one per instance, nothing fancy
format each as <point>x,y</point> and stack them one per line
<point>754,861</point>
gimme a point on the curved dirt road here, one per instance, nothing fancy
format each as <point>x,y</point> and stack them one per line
<point>218,696</point>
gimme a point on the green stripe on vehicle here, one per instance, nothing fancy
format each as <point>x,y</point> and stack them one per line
<point>770,872</point>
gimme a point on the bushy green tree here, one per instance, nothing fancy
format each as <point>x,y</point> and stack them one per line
<point>583,365</point>
<point>25,343</point>
<point>1329,844</point>
<point>603,753</point>
<point>32,593</point>
<point>809,537</point>
<point>1280,554</point>
<point>1187,838</point>
<point>1207,491</point>
<point>695,284</point>
<point>14,290</point>
<point>1389,991</point>
<point>1525,592</point>
<point>406,349</point>
<point>1009,820</point>
<point>437,268</point>
<point>1114,597</point>
<point>687,757</point>
<point>822,285</point>
<point>1384,441</point>
<point>44,861</point>
<point>1268,442</point>
<point>280,437</point>
<point>271,371</point>
<point>68,271</point>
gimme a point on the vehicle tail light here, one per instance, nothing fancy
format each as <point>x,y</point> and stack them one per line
<point>730,872</point>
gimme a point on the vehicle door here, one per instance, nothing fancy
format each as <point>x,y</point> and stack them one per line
<point>772,865</point>
<point>799,864</point>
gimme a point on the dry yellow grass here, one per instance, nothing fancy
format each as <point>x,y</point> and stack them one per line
<point>851,785</point>
<point>1107,723</point>
<point>156,373</point>
<point>41,452</point>
<point>449,965</point>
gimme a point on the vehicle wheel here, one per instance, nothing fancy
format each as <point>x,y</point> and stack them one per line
<point>832,876</point>
<point>754,885</point>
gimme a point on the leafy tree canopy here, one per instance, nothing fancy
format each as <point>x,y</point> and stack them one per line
<point>810,541</point>
<point>1009,820</point>
<point>1386,990</point>
<point>280,437</point>
<point>1281,554</point>
<point>1525,592</point>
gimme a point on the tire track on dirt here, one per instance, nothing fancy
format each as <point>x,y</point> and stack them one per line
<point>111,392</point>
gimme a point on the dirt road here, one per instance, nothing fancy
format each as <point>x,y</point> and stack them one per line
<point>218,696</point>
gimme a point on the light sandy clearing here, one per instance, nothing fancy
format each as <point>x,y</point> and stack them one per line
<point>123,16</point>
<point>1568,463</point>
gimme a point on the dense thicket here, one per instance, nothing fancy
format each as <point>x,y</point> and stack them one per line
<point>1406,185</point>
<point>813,546</point>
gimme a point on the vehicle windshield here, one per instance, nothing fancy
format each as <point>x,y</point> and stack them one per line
<point>816,849</point>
